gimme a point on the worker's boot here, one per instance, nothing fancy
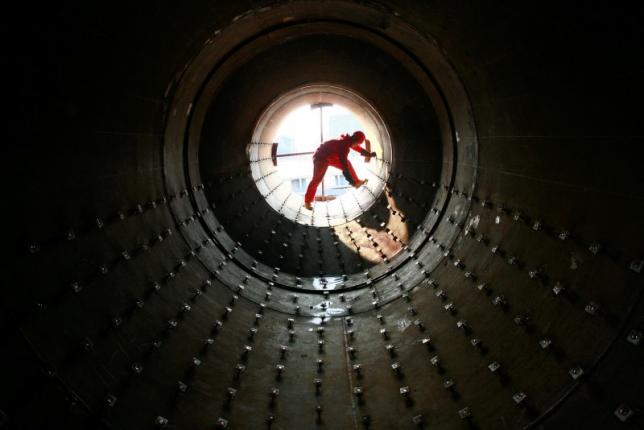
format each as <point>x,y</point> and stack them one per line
<point>360,183</point>
<point>308,206</point>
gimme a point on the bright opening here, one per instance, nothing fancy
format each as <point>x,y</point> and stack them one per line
<point>285,138</point>
<point>300,134</point>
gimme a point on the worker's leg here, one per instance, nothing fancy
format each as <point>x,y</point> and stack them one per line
<point>350,170</point>
<point>319,169</point>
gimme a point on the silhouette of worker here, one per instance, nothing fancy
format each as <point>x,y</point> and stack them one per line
<point>334,153</point>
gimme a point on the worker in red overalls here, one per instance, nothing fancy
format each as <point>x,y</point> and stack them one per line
<point>334,153</point>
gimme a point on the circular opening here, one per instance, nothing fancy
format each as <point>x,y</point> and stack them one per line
<point>228,104</point>
<point>288,133</point>
<point>298,136</point>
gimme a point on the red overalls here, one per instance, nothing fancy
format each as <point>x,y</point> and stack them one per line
<point>332,153</point>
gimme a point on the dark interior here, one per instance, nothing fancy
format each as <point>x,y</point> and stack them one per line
<point>149,282</point>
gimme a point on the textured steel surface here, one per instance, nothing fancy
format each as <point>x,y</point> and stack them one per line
<point>138,296</point>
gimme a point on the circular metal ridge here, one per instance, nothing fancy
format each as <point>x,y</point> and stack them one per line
<point>418,52</point>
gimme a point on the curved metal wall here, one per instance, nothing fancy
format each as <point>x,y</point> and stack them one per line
<point>516,304</point>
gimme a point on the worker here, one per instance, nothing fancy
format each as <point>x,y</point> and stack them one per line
<point>334,153</point>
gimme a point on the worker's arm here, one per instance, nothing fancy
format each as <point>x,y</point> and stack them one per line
<point>363,151</point>
<point>358,148</point>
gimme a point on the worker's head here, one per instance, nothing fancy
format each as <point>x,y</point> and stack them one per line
<point>357,137</point>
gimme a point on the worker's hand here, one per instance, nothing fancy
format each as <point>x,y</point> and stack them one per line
<point>366,153</point>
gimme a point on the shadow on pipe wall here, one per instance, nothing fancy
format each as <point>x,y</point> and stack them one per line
<point>377,242</point>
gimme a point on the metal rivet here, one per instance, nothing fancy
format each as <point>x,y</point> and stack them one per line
<point>634,337</point>
<point>519,397</point>
<point>494,366</point>
<point>623,412</point>
<point>465,413</point>
<point>576,372</point>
